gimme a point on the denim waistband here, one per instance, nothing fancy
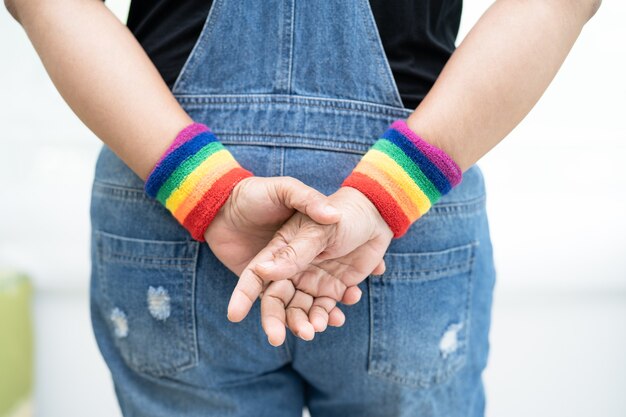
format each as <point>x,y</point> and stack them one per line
<point>293,121</point>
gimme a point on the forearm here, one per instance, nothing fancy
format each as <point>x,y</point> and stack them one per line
<point>497,75</point>
<point>105,76</point>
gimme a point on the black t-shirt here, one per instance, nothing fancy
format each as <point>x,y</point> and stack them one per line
<point>418,37</point>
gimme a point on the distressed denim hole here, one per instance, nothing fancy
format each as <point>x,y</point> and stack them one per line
<point>420,316</point>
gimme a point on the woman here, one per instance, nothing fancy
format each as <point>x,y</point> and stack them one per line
<point>295,89</point>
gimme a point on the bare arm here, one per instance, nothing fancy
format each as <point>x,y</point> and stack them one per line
<point>489,84</point>
<point>498,73</point>
<point>105,76</point>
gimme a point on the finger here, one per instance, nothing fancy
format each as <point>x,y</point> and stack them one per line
<point>352,295</point>
<point>249,286</point>
<point>298,253</point>
<point>318,282</point>
<point>273,310</point>
<point>297,316</point>
<point>246,292</point>
<point>295,194</point>
<point>336,318</point>
<point>354,267</point>
<point>320,312</point>
<point>380,268</point>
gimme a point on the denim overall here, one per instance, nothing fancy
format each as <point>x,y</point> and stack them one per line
<point>301,89</point>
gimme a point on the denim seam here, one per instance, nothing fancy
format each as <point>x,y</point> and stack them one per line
<point>120,192</point>
<point>275,164</point>
<point>384,371</point>
<point>436,254</point>
<point>188,275</point>
<point>375,298</point>
<point>144,241</point>
<point>468,310</point>
<point>474,205</point>
<point>304,143</point>
<point>367,108</point>
<point>429,275</point>
<point>120,255</point>
<point>289,135</point>
<point>291,45</point>
<point>298,145</point>
<point>207,28</point>
<point>474,201</point>
<point>379,51</point>
<point>137,194</point>
<point>282,59</point>
<point>100,265</point>
<point>146,264</point>
<point>281,171</point>
<point>117,255</point>
<point>348,105</point>
<point>193,322</point>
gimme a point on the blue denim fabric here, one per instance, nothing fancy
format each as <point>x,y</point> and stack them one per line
<point>299,89</point>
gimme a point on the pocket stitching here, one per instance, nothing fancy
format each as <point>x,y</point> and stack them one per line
<point>154,265</point>
<point>187,270</point>
<point>432,274</point>
<point>441,375</point>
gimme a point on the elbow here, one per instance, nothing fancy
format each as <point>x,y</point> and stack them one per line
<point>579,10</point>
<point>10,6</point>
<point>587,8</point>
<point>593,6</point>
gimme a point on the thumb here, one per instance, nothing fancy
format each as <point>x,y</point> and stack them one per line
<point>246,292</point>
<point>249,286</point>
<point>294,250</point>
<point>295,194</point>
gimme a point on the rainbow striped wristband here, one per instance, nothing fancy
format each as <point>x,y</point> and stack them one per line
<point>403,175</point>
<point>194,178</point>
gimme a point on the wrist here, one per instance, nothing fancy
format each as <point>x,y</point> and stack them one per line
<point>420,126</point>
<point>194,178</point>
<point>403,176</point>
<point>225,215</point>
<point>362,207</point>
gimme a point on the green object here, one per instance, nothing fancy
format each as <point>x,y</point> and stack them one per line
<point>16,342</point>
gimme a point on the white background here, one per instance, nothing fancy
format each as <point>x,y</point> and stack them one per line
<point>555,197</point>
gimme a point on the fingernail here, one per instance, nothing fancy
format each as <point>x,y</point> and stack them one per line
<point>267,264</point>
<point>330,210</point>
<point>269,340</point>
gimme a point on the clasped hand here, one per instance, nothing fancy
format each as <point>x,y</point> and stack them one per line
<point>298,250</point>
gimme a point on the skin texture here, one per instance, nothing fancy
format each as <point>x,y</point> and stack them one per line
<point>323,263</point>
<point>497,74</point>
<point>488,86</point>
<point>248,221</point>
<point>103,74</point>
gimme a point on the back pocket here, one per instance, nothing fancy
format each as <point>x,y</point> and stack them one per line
<point>420,316</point>
<point>145,291</point>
